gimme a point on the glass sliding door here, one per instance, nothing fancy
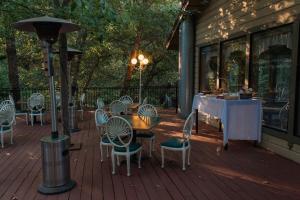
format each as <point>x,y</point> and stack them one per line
<point>233,66</point>
<point>270,71</point>
<point>208,68</point>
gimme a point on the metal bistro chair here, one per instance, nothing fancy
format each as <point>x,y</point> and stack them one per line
<point>119,132</point>
<point>145,101</point>
<point>18,112</point>
<point>35,105</point>
<point>100,103</point>
<point>182,144</point>
<point>101,118</point>
<point>145,111</point>
<point>126,100</point>
<point>81,104</point>
<point>7,117</point>
<point>117,107</point>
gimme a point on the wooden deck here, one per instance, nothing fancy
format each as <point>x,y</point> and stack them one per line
<point>243,172</point>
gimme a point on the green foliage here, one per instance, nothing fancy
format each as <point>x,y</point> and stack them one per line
<point>110,30</point>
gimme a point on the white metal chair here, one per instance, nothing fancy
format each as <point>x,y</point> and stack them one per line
<point>145,101</point>
<point>101,118</point>
<point>126,100</point>
<point>100,103</point>
<point>119,132</point>
<point>182,144</point>
<point>7,117</point>
<point>81,104</point>
<point>18,112</point>
<point>117,107</point>
<point>146,111</point>
<point>35,105</point>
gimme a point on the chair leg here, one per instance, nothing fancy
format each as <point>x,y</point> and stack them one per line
<point>101,151</point>
<point>189,154</point>
<point>2,142</point>
<point>162,158</point>
<point>113,162</point>
<point>183,159</point>
<point>26,118</point>
<point>31,119</point>
<point>82,115</point>
<point>128,164</point>
<point>140,158</point>
<point>153,144</point>
<point>107,150</point>
<point>41,118</point>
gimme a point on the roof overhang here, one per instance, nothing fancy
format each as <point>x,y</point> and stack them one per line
<point>194,7</point>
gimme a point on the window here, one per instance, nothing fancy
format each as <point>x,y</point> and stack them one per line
<point>233,66</point>
<point>208,68</point>
<point>271,65</point>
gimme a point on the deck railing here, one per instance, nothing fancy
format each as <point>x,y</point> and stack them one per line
<point>157,95</point>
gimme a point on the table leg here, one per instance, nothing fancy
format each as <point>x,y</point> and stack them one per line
<point>197,116</point>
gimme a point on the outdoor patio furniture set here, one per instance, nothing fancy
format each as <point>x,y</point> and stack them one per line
<point>120,127</point>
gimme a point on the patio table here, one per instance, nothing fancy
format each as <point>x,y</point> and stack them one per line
<point>241,119</point>
<point>139,124</point>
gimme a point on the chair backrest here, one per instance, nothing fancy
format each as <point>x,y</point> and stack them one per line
<point>126,99</point>
<point>82,99</point>
<point>100,103</point>
<point>36,102</point>
<point>188,126</point>
<point>5,102</point>
<point>147,110</point>
<point>145,101</point>
<point>7,114</point>
<point>119,131</point>
<point>11,99</point>
<point>58,99</point>
<point>101,117</point>
<point>117,107</point>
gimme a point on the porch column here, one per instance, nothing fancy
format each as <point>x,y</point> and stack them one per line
<point>186,63</point>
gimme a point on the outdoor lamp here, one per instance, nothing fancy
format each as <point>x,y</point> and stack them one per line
<point>55,152</point>
<point>143,61</point>
<point>141,57</point>
<point>134,61</point>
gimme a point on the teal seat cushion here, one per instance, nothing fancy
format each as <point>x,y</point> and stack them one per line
<point>174,143</point>
<point>132,147</point>
<point>105,139</point>
<point>145,135</point>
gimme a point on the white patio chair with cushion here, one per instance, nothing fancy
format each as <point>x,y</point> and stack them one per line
<point>126,100</point>
<point>119,132</point>
<point>7,117</point>
<point>81,105</point>
<point>101,118</point>
<point>145,111</point>
<point>117,107</point>
<point>35,105</point>
<point>100,103</point>
<point>18,112</point>
<point>180,144</point>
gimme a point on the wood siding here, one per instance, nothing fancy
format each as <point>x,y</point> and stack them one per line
<point>225,18</point>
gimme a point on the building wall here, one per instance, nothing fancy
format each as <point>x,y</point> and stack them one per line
<point>224,18</point>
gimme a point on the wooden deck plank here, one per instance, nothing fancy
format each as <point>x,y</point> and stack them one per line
<point>242,172</point>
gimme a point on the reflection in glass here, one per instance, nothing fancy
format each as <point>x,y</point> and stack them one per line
<point>271,64</point>
<point>233,64</point>
<point>208,68</point>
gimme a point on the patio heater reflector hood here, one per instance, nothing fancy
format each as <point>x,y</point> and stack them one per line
<point>55,152</point>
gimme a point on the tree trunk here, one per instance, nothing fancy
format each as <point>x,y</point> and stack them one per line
<point>130,67</point>
<point>13,72</point>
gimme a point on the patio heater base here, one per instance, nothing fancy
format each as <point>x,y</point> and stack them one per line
<point>56,190</point>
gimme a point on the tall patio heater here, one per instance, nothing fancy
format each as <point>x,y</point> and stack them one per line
<point>73,126</point>
<point>55,154</point>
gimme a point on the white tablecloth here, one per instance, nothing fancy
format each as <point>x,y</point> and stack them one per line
<point>241,119</point>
